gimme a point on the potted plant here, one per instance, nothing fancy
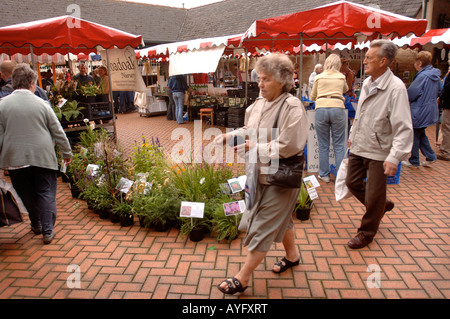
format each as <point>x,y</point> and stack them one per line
<point>225,227</point>
<point>304,204</point>
<point>124,210</point>
<point>103,202</point>
<point>159,208</point>
<point>89,92</point>
<point>69,112</point>
<point>195,228</point>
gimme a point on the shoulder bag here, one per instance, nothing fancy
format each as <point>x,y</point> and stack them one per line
<point>290,170</point>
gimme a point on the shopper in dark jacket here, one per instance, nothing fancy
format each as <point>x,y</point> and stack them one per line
<point>444,99</point>
<point>178,86</point>
<point>423,93</point>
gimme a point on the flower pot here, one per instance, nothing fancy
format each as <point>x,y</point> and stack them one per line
<point>303,213</point>
<point>75,191</point>
<point>142,221</point>
<point>103,213</point>
<point>64,178</point>
<point>113,217</point>
<point>197,234</point>
<point>162,227</point>
<point>90,204</point>
<point>126,220</point>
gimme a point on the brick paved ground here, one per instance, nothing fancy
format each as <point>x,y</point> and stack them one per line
<point>412,247</point>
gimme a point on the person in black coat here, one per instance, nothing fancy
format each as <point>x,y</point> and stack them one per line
<point>444,104</point>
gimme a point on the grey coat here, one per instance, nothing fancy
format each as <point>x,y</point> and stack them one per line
<point>29,130</point>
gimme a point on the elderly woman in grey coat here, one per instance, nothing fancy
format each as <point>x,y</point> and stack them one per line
<point>270,217</point>
<point>29,129</point>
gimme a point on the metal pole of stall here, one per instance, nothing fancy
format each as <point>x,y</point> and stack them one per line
<point>32,58</point>
<point>300,75</point>
<point>111,96</point>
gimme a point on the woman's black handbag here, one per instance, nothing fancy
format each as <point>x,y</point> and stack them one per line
<point>290,170</point>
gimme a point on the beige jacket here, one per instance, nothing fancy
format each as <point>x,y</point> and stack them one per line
<point>382,129</point>
<point>293,127</point>
<point>328,89</point>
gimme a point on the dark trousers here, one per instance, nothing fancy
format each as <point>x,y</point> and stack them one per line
<point>371,193</point>
<point>36,187</point>
<point>171,107</point>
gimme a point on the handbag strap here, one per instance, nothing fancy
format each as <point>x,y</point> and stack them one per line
<point>275,124</point>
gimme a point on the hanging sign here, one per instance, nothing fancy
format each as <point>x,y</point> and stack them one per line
<point>124,71</point>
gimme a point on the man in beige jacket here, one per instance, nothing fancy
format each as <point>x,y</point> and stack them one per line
<point>380,138</point>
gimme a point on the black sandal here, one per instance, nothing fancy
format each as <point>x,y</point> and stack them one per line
<point>285,264</point>
<point>234,286</point>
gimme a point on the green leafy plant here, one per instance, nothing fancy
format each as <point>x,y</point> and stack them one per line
<point>226,227</point>
<point>71,110</point>
<point>148,157</point>
<point>90,90</point>
<point>304,201</point>
<point>123,207</point>
<point>161,206</point>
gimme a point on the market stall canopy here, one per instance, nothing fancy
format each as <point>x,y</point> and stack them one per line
<point>165,50</point>
<point>434,38</point>
<point>338,22</point>
<point>194,56</point>
<point>61,35</point>
<point>43,58</point>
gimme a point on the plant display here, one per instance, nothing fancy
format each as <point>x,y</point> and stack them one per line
<point>90,89</point>
<point>149,185</point>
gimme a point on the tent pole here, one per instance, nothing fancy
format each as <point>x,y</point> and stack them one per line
<point>246,75</point>
<point>32,58</point>
<point>111,96</point>
<point>300,75</point>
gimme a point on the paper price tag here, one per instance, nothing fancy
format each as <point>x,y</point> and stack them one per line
<point>192,209</point>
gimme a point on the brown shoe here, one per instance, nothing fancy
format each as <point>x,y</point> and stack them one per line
<point>443,157</point>
<point>359,241</point>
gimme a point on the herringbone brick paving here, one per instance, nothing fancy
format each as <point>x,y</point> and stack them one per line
<point>411,249</point>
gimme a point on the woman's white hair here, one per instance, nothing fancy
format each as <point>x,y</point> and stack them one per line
<point>279,66</point>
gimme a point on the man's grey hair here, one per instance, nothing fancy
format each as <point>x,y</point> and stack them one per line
<point>23,76</point>
<point>279,66</point>
<point>388,49</point>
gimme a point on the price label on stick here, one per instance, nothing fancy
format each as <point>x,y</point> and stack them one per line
<point>192,209</point>
<point>311,183</point>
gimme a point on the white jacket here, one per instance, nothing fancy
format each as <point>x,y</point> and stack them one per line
<point>382,129</point>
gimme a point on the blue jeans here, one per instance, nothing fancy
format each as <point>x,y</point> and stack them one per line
<point>178,98</point>
<point>36,188</point>
<point>421,143</point>
<point>330,120</point>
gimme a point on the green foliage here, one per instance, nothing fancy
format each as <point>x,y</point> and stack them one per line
<point>199,182</point>
<point>71,110</point>
<point>122,207</point>
<point>149,158</point>
<point>303,200</point>
<point>161,205</point>
<point>90,90</point>
<point>226,227</point>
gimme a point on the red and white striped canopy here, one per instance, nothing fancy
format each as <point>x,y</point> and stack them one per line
<point>434,37</point>
<point>62,35</point>
<point>165,50</point>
